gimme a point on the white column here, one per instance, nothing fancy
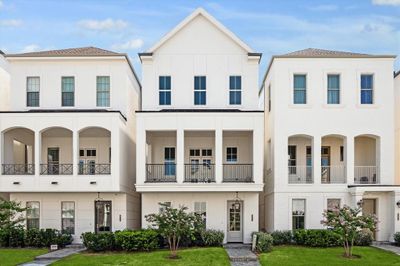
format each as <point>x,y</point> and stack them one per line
<point>38,148</point>
<point>141,155</point>
<point>180,155</point>
<point>316,158</point>
<point>356,196</point>
<point>218,155</point>
<point>75,151</point>
<point>349,159</point>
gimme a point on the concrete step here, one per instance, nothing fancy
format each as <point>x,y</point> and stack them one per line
<point>75,246</point>
<point>237,246</point>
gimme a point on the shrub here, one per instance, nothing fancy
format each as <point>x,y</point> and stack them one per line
<point>12,237</point>
<point>212,238</point>
<point>46,237</point>
<point>396,237</point>
<point>264,242</point>
<point>317,238</point>
<point>282,237</point>
<point>140,240</point>
<point>364,238</point>
<point>98,242</point>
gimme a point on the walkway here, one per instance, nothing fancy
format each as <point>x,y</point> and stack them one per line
<point>48,258</point>
<point>387,246</point>
<point>241,255</point>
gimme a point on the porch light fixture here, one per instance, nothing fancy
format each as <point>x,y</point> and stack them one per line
<point>98,197</point>
<point>398,204</point>
<point>237,200</point>
<point>360,203</point>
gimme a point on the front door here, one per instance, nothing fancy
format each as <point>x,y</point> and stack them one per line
<point>369,207</point>
<point>235,221</point>
<point>53,160</point>
<point>103,214</point>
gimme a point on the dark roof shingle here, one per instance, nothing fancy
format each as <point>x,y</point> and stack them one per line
<point>80,51</point>
<point>313,52</point>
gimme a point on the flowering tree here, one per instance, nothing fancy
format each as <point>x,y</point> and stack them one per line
<point>10,214</point>
<point>173,224</point>
<point>348,222</point>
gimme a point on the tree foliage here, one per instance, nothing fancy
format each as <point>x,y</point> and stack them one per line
<point>11,214</point>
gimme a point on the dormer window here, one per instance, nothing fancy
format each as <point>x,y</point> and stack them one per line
<point>200,90</point>
<point>235,90</point>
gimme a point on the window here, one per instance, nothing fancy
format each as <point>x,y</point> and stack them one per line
<point>194,152</point>
<point>68,217</point>
<point>103,91</point>
<point>231,154</point>
<point>201,210</point>
<point>163,206</point>
<point>82,153</point>
<point>298,213</point>
<point>299,93</point>
<point>333,89</point>
<point>367,83</point>
<point>206,152</point>
<point>32,91</point>
<point>164,90</point>
<point>91,153</point>
<point>169,161</point>
<point>32,215</point>
<point>67,91</point>
<point>199,90</point>
<point>292,159</point>
<point>341,153</point>
<point>333,204</point>
<point>235,90</point>
<point>269,98</point>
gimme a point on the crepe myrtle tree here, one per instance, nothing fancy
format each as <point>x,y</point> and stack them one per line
<point>173,224</point>
<point>11,214</point>
<point>348,222</point>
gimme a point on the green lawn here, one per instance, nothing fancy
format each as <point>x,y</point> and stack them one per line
<point>188,257</point>
<point>292,255</point>
<point>11,257</point>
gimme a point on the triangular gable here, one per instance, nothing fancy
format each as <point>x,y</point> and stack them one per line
<point>191,17</point>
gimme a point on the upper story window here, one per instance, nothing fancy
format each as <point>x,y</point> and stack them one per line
<point>67,91</point>
<point>367,89</point>
<point>299,89</point>
<point>32,91</point>
<point>103,91</point>
<point>164,90</point>
<point>199,90</point>
<point>235,90</point>
<point>231,154</point>
<point>333,89</point>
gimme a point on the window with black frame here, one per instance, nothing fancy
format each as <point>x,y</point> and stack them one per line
<point>298,213</point>
<point>67,91</point>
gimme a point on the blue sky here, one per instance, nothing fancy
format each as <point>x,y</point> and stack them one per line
<point>270,27</point>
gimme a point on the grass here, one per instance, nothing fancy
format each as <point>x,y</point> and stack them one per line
<point>15,256</point>
<point>188,257</point>
<point>294,255</point>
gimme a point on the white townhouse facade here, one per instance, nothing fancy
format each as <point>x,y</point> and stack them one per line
<point>68,138</point>
<point>329,139</point>
<point>200,132</point>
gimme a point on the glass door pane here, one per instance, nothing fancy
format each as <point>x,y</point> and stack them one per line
<point>103,216</point>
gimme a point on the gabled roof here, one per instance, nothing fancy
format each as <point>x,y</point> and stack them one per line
<point>199,12</point>
<point>321,53</point>
<point>80,51</point>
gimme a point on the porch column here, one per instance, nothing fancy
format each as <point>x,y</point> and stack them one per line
<point>349,159</point>
<point>316,157</point>
<point>218,156</point>
<point>37,148</point>
<point>75,151</point>
<point>356,197</point>
<point>180,155</point>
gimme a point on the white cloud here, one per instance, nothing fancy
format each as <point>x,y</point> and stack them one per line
<point>10,23</point>
<point>30,48</point>
<point>102,25</point>
<point>129,45</point>
<point>324,8</point>
<point>1,4</point>
<point>386,2</point>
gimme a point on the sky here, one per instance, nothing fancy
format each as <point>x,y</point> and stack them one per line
<point>269,27</point>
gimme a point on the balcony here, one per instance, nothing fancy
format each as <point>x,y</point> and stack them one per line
<point>94,169</point>
<point>300,174</point>
<point>199,173</point>
<point>366,174</point>
<point>333,174</point>
<point>56,169</point>
<point>161,173</point>
<point>18,169</point>
<point>238,173</point>
<point>366,159</point>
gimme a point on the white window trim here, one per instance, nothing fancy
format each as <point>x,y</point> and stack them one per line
<point>229,90</point>
<point>325,94</point>
<point>158,98</point>
<point>199,106</point>
<point>291,88</point>
<point>226,154</point>
<point>95,98</point>
<point>26,92</point>
<point>73,106</point>
<point>375,102</point>
<point>306,216</point>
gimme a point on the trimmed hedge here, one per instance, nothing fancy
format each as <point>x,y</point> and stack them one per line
<point>282,237</point>
<point>19,237</point>
<point>364,238</point>
<point>264,242</point>
<point>98,242</point>
<point>317,238</point>
<point>212,238</point>
<point>140,240</point>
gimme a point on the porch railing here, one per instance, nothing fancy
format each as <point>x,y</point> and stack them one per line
<point>94,169</point>
<point>241,173</point>
<point>56,169</point>
<point>18,169</point>
<point>366,174</point>
<point>333,174</point>
<point>199,173</point>
<point>300,174</point>
<point>161,173</point>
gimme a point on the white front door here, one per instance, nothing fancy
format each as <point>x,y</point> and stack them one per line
<point>235,221</point>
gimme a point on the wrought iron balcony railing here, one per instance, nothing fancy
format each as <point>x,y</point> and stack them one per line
<point>18,169</point>
<point>94,169</point>
<point>161,173</point>
<point>56,169</point>
<point>240,173</point>
<point>199,173</point>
